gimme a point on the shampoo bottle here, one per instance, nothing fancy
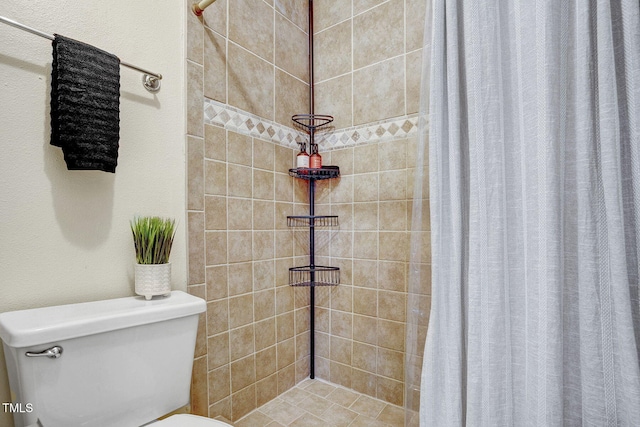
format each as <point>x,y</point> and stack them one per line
<point>302,159</point>
<point>315,160</point>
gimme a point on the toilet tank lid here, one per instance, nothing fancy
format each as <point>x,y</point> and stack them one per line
<point>44,325</point>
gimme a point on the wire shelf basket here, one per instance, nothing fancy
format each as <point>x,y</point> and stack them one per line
<point>325,172</point>
<point>323,276</point>
<point>313,221</point>
<point>311,122</point>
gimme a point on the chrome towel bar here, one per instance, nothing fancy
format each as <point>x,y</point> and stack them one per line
<point>151,81</point>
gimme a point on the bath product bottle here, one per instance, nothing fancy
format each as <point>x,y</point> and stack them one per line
<point>302,159</point>
<point>315,160</point>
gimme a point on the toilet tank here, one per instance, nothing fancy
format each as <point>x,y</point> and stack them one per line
<point>124,362</point>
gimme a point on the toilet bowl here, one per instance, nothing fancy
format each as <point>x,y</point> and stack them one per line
<point>114,363</point>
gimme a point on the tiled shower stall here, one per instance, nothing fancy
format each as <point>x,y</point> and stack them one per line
<point>247,75</point>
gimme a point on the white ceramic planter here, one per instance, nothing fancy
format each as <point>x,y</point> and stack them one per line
<point>153,279</point>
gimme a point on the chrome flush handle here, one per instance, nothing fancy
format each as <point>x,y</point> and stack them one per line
<point>52,353</point>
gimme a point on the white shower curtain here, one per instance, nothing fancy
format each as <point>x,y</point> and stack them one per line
<point>534,179</point>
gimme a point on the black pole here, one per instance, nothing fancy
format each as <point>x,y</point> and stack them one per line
<point>311,95</point>
<point>312,190</point>
<point>312,288</point>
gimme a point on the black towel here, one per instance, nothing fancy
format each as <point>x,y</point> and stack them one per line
<point>85,105</point>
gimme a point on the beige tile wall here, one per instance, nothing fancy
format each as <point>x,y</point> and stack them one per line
<point>253,339</point>
<point>251,54</point>
<point>368,59</point>
<point>362,324</point>
<point>369,56</point>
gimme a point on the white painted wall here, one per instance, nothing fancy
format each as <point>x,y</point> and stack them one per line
<point>64,235</point>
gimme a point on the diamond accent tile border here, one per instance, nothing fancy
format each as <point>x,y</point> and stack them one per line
<point>225,116</point>
<point>372,133</point>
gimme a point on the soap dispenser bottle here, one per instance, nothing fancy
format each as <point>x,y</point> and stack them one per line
<point>315,160</point>
<point>302,159</point>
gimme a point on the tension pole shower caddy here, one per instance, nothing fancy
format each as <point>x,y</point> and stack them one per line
<point>313,275</point>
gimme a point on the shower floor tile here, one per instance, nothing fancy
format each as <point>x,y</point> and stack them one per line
<point>319,403</point>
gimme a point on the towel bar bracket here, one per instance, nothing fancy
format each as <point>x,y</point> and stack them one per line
<point>151,83</point>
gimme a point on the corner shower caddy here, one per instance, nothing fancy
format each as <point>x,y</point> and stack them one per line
<point>313,275</point>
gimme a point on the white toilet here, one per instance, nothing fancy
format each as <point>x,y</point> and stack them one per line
<point>116,363</point>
